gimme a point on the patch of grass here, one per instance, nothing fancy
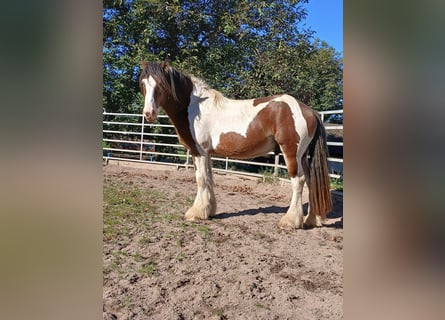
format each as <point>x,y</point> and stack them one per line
<point>126,205</point>
<point>205,231</point>
<point>137,257</point>
<point>116,263</point>
<point>116,267</point>
<point>180,256</point>
<point>283,173</point>
<point>159,195</point>
<point>149,269</point>
<point>179,241</point>
<point>260,235</point>
<point>169,217</point>
<point>270,177</point>
<point>188,270</point>
<point>187,225</point>
<point>145,241</point>
<point>127,302</point>
<point>262,306</point>
<point>220,314</point>
<point>189,201</point>
<point>182,202</point>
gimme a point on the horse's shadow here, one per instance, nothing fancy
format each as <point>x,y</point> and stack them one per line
<point>251,212</point>
<point>336,213</point>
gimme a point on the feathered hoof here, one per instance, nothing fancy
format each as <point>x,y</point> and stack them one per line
<point>195,214</point>
<point>287,224</point>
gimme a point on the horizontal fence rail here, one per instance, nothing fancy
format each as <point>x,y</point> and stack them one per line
<point>128,137</point>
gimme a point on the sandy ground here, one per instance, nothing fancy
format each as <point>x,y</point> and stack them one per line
<point>238,265</point>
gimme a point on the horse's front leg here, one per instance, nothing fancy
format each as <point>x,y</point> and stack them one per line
<point>204,205</point>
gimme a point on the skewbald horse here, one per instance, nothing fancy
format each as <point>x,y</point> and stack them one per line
<point>208,123</point>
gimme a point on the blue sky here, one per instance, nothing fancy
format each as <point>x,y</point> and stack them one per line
<point>325,17</point>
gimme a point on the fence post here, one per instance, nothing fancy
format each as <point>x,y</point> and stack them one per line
<point>227,164</point>
<point>187,157</point>
<point>275,168</point>
<point>142,139</point>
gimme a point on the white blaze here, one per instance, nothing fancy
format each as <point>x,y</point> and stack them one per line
<point>149,103</point>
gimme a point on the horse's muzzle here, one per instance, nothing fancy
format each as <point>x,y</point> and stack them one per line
<point>150,117</point>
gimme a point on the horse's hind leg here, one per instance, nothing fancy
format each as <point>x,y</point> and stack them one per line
<point>204,205</point>
<point>294,216</point>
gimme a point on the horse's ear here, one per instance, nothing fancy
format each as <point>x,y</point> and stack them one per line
<point>144,64</point>
<point>165,65</point>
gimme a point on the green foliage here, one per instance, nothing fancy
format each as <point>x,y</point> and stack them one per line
<point>337,184</point>
<point>243,48</point>
<point>311,72</point>
<point>268,176</point>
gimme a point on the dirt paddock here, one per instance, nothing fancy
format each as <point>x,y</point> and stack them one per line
<point>238,265</point>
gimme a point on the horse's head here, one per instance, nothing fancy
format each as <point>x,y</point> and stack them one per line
<point>161,85</point>
<point>150,82</point>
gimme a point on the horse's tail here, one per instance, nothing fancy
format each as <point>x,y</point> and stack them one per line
<point>320,200</point>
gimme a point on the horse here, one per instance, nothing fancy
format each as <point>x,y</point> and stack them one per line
<point>208,123</point>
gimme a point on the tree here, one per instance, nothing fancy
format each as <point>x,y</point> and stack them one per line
<point>312,72</point>
<point>243,48</point>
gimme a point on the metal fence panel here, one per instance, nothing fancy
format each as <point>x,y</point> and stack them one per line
<point>130,141</point>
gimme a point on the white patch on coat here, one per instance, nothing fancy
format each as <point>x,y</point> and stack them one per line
<point>300,122</point>
<point>208,121</point>
<point>149,101</point>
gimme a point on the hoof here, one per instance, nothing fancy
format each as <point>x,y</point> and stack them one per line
<point>313,221</point>
<point>193,214</point>
<point>191,218</point>
<point>307,226</point>
<point>287,224</point>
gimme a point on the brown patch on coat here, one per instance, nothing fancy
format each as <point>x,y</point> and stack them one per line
<point>178,114</point>
<point>177,111</point>
<point>265,99</point>
<point>272,125</point>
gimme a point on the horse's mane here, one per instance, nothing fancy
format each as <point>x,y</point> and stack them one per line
<point>171,79</point>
